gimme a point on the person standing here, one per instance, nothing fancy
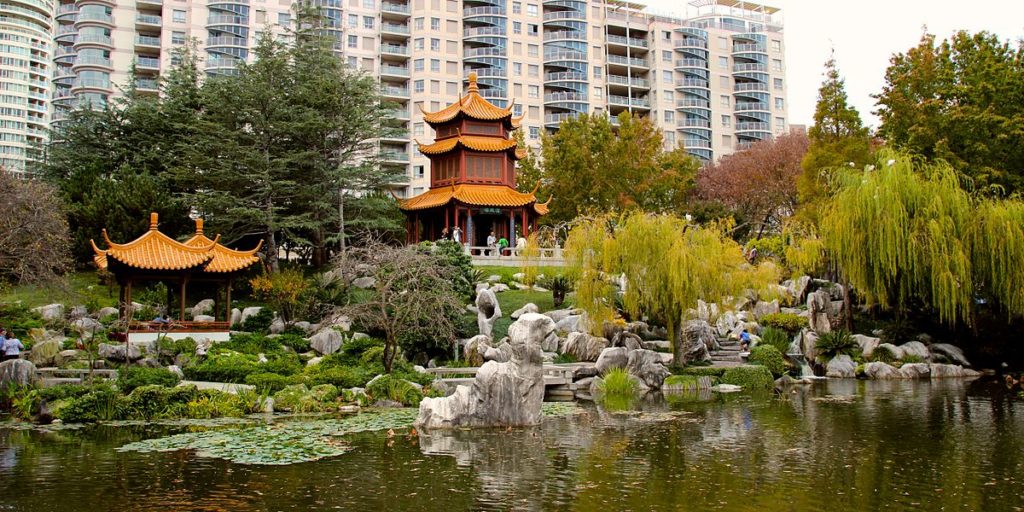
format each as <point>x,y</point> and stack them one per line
<point>12,348</point>
<point>457,235</point>
<point>520,245</point>
<point>492,242</point>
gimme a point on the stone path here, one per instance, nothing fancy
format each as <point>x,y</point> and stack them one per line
<point>219,386</point>
<point>729,355</point>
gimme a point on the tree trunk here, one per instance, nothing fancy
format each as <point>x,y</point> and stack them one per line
<point>270,239</point>
<point>675,336</point>
<point>848,306</point>
<point>341,222</point>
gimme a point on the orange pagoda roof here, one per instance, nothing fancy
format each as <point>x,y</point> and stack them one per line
<point>157,251</point>
<point>473,106</point>
<point>224,259</point>
<point>477,142</point>
<point>476,195</point>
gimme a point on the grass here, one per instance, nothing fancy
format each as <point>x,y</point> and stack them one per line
<point>78,288</point>
<point>507,272</point>
<point>617,382</point>
<point>515,299</point>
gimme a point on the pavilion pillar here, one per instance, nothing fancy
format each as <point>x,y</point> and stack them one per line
<point>170,298</point>
<point>227,302</point>
<point>470,231</point>
<point>128,302</point>
<point>523,217</point>
<point>184,286</point>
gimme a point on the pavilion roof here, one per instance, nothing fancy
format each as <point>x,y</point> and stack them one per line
<point>157,251</point>
<point>475,142</point>
<point>475,195</point>
<point>473,106</point>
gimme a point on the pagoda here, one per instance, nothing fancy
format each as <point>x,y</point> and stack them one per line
<point>154,256</point>
<point>472,175</point>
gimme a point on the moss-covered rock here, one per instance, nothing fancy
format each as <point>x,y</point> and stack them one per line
<point>749,377</point>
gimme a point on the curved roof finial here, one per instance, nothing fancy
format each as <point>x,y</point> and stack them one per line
<point>535,188</point>
<point>199,226</point>
<point>472,83</point>
<point>153,218</point>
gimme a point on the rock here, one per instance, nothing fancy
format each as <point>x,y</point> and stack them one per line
<point>657,345</point>
<point>277,325</point>
<point>499,287</point>
<point>77,312</point>
<point>489,311</point>
<point>236,316</point>
<point>66,356</point>
<point>18,372</point>
<point>841,367</point>
<point>86,327</point>
<point>612,357</point>
<point>202,307</point>
<point>646,365</point>
<point>502,394</point>
<point>560,314</point>
<point>388,404</point>
<point>527,308</point>
<point>176,370</point>
<point>784,382</point>
<point>880,371</point>
<point>475,349</point>
<point>572,323</point>
<point>364,282</point>
<point>867,344</point>
<point>106,312</point>
<point>149,362</point>
<point>951,353</point>
<point>208,318</point>
<point>359,336</point>
<point>914,348</point>
<point>798,288</point>
<point>202,346</point>
<point>268,405</point>
<point>763,308</point>
<point>519,276</point>
<point>698,339</point>
<point>726,323</point>
<point>327,341</point>
<point>896,352</point>
<point>50,312</point>
<point>943,371</point>
<point>628,340</point>
<point>551,343</point>
<point>341,322</point>
<point>501,353</point>
<point>915,371</point>
<point>727,388</point>
<point>481,286</point>
<point>43,353</point>
<point>583,346</point>
<point>249,312</point>
<point>807,341</point>
<point>819,307</point>
<point>304,326</point>
<point>313,361</point>
<point>493,278</point>
<point>117,352</point>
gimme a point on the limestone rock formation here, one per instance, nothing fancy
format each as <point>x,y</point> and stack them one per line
<point>86,326</point>
<point>915,348</point>
<point>952,353</point>
<point>248,312</point>
<point>327,341</point>
<point>202,307</point>
<point>502,394</point>
<point>43,353</point>
<point>915,371</point>
<point>106,312</point>
<point>488,311</point>
<point>867,344</point>
<point>841,367</point>
<point>50,312</point>
<point>879,370</point>
<point>117,352</point>
<point>819,307</point>
<point>19,372</point>
<point>203,318</point>
<point>646,365</point>
<point>527,308</point>
<point>583,346</point>
<point>612,357</point>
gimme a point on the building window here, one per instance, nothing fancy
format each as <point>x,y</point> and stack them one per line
<point>724,100</point>
<point>670,138</point>
<point>453,27</point>
<point>451,67</point>
<point>666,35</point>
<point>666,55</point>
<point>723,43</point>
<point>668,95</point>
<point>417,23</point>
<point>417,44</point>
<point>776,65</point>
<point>369,4</point>
<point>435,45</point>
<point>451,88</point>
<point>723,81</point>
<point>418,171</point>
<point>353,20</point>
<point>533,91</point>
<point>531,10</point>
<point>780,104</point>
<point>598,92</point>
<point>776,45</point>
<point>417,65</point>
<point>727,141</point>
<point>283,18</point>
<point>418,86</point>
<point>353,41</point>
<point>532,50</point>
<point>778,84</point>
<point>723,62</point>
<point>178,16</point>
<point>517,110</point>
<point>670,116</point>
<point>453,47</point>
<point>353,61</point>
<point>517,27</point>
<point>517,69</point>
<point>435,87</point>
<point>726,120</point>
<point>666,77</point>
<point>435,23</point>
<point>177,38</point>
<point>780,124</point>
<point>598,71</point>
<point>532,29</point>
<point>417,129</point>
<point>368,22</point>
<point>532,70</point>
<point>435,65</point>
<point>534,132</point>
<point>517,7</point>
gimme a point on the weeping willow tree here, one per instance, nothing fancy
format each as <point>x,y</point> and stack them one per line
<point>667,264</point>
<point>906,232</point>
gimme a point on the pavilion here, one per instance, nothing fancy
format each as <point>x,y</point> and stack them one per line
<point>155,256</point>
<point>472,175</point>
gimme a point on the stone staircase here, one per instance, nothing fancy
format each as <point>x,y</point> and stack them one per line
<point>728,355</point>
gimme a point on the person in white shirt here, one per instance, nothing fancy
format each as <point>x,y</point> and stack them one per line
<point>492,243</point>
<point>457,235</point>
<point>12,348</point>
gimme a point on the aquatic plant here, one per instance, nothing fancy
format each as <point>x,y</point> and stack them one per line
<point>750,377</point>
<point>683,382</point>
<point>617,382</point>
<point>769,357</point>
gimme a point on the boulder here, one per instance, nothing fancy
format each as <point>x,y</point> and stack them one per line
<point>341,322</point>
<point>707,312</point>
<point>867,344</point>
<point>493,278</point>
<point>43,353</point>
<point>249,312</point>
<point>499,287</point>
<point>327,341</point>
<point>208,318</point>
<point>915,371</point>
<point>726,323</point>
<point>551,343</point>
<point>313,361</point>
<point>879,371</point>
<point>202,345</point>
<point>942,371</point>
<point>277,326</point>
<point>666,358</point>
<point>475,349</point>
<point>646,366</point>
<point>236,316</point>
<point>502,394</point>
<point>583,346</point>
<point>612,357</point>
<point>527,308</point>
<point>951,353</point>
<point>841,367</point>
<point>176,370</point>
<point>18,372</point>
<point>117,352</point>
<point>798,288</point>
<point>359,336</point>
<point>66,356</point>
<point>763,308</point>
<point>488,311</point>
<point>106,312</point>
<point>502,353</point>
<point>914,348</point>
<point>896,352</point>
<point>572,323</point>
<point>86,326</point>
<point>519,276</point>
<point>657,345</point>
<point>304,326</point>
<point>202,307</point>
<point>50,312</point>
<point>149,362</point>
<point>77,312</point>
<point>481,286</point>
<point>364,282</point>
<point>819,308</point>
<point>628,340</point>
<point>698,339</point>
<point>560,314</point>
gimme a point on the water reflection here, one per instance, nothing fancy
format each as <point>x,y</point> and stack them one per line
<point>837,445</point>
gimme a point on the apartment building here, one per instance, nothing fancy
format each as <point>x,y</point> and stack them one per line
<point>714,82</point>
<point>25,67</point>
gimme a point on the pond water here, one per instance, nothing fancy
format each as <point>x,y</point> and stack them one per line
<point>838,445</point>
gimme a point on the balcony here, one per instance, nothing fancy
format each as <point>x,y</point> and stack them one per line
<point>696,143</point>
<point>496,51</point>
<point>218,63</point>
<point>560,97</point>
<point>94,39</point>
<point>755,66</point>
<point>147,41</point>
<point>147,63</point>
<point>565,15</point>
<point>91,83</point>
<point>693,123</point>
<point>750,87</point>
<point>556,119</point>
<point>693,82</point>
<point>95,17</point>
<point>563,35</point>
<point>693,102</point>
<point>394,28</point>
<point>389,70</point>
<point>493,93</point>
<point>627,61</point>
<point>67,12</point>
<point>752,127</point>
<point>88,60</point>
<point>484,31</point>
<point>550,56</point>
<point>394,49</point>
<point>394,156</point>
<point>627,41</point>
<point>691,42</point>
<point>692,63</point>
<point>147,84</point>
<point>393,8</point>
<point>614,99</point>
<point>751,106</point>
<point>483,11</point>
<point>226,41</point>
<point>622,80</point>
<point>150,3</point>
<point>395,92</point>
<point>148,20</point>
<point>749,48</point>
<point>565,76</point>
<point>487,72</point>
<point>401,115</point>
<point>227,19</point>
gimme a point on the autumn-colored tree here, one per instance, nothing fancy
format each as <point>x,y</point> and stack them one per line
<point>34,241</point>
<point>591,167</point>
<point>757,185</point>
<point>961,101</point>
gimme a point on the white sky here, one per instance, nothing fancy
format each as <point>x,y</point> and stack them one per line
<point>865,33</point>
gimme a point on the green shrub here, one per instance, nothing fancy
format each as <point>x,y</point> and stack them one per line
<point>182,346</point>
<point>912,358</point>
<point>884,355</point>
<point>98,405</point>
<point>324,392</point>
<point>294,341</point>
<point>282,364</point>
<point>777,338</point>
<point>260,322</point>
<point>564,359</point>
<point>248,343</point>
<point>788,322</point>
<point>710,371</point>
<point>750,377</point>
<point>268,382</point>
<point>340,376</point>
<point>297,398</point>
<point>834,343</point>
<point>686,382</point>
<point>133,377</point>
<point>390,387</point>
<point>19,319</point>
<point>372,355</point>
<point>617,382</point>
<point>214,404</point>
<point>355,348</point>
<point>224,367</point>
<point>769,357</point>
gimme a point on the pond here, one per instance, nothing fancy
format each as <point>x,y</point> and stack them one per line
<point>837,445</point>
